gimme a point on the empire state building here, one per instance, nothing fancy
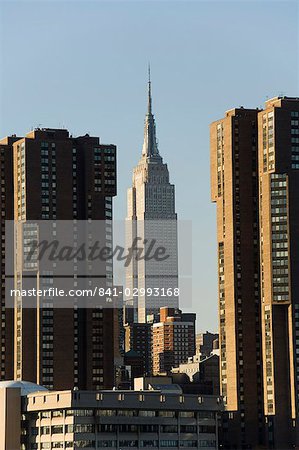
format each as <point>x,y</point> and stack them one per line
<point>151,217</point>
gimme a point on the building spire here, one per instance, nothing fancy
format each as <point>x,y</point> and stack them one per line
<point>149,104</point>
<point>150,146</point>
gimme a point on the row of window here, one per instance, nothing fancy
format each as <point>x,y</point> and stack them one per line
<point>169,443</point>
<point>124,412</point>
<point>123,428</point>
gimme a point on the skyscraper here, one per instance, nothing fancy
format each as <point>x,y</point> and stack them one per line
<point>234,185</point>
<point>59,177</point>
<point>151,217</point>
<point>279,237</point>
<point>255,182</point>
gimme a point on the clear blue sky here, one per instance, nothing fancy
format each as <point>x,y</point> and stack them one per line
<point>83,65</point>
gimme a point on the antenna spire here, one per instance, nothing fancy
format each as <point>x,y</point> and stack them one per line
<point>150,145</point>
<point>149,106</point>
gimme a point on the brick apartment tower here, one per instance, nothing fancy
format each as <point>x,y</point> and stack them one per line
<point>279,242</point>
<point>173,339</point>
<point>6,212</point>
<point>59,177</point>
<point>234,184</point>
<point>255,183</point>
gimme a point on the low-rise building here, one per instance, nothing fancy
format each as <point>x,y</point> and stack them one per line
<point>39,419</point>
<point>205,343</point>
<point>204,371</point>
<point>138,338</point>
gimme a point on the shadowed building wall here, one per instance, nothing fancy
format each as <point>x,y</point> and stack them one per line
<point>59,177</point>
<point>234,185</point>
<point>279,237</point>
<point>255,183</point>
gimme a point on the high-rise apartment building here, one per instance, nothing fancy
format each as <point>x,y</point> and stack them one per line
<point>151,217</point>
<point>173,340</point>
<point>234,172</point>
<point>279,237</point>
<point>6,213</point>
<point>59,177</point>
<point>234,184</point>
<point>254,172</point>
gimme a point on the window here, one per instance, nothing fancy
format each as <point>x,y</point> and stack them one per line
<point>147,413</point>
<point>83,428</point>
<point>106,412</point>
<point>84,444</point>
<point>127,428</point>
<point>107,428</point>
<point>107,444</point>
<point>169,429</point>
<point>148,443</point>
<point>188,429</point>
<point>80,412</point>
<point>187,414</point>
<point>166,413</point>
<point>168,443</point>
<point>189,444</point>
<point>127,412</point>
<point>207,443</point>
<point>149,428</point>
<point>128,443</point>
<point>57,429</point>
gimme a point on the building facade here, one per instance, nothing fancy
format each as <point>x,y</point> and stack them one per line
<point>205,371</point>
<point>118,420</point>
<point>138,337</point>
<point>6,212</point>
<point>151,217</point>
<point>254,172</point>
<point>279,234</point>
<point>234,186</point>
<point>57,177</point>
<point>173,340</point>
<point>205,343</point>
